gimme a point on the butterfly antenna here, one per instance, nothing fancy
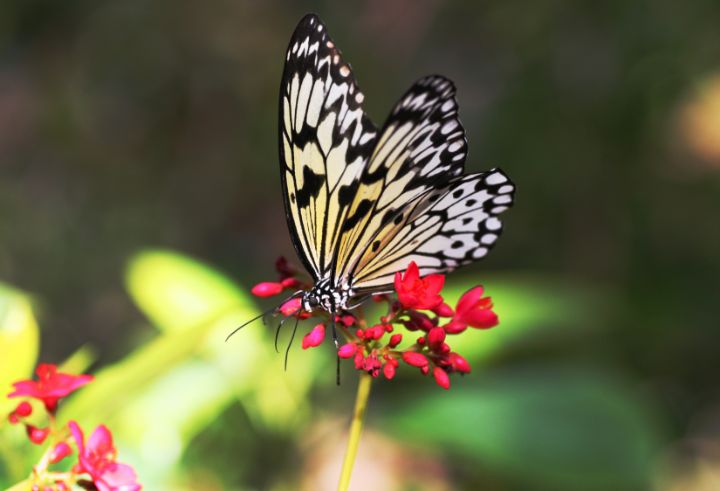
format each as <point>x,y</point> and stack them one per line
<point>277,330</point>
<point>249,322</point>
<point>292,336</point>
<point>268,311</point>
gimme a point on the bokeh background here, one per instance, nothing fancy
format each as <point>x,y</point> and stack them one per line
<point>140,199</point>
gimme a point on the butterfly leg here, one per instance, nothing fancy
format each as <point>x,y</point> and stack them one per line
<point>292,337</point>
<point>337,347</point>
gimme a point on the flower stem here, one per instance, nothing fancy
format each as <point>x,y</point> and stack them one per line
<point>361,399</point>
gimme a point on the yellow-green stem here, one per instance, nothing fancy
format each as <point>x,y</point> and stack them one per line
<point>361,399</point>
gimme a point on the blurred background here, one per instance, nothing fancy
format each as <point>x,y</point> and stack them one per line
<point>140,199</point>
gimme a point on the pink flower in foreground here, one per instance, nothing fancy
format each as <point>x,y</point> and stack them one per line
<point>50,386</point>
<point>267,289</point>
<point>97,458</point>
<point>473,310</point>
<point>418,293</point>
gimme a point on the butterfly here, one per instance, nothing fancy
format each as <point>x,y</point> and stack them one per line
<point>362,203</point>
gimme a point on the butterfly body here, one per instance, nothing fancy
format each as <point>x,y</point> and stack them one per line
<point>328,296</point>
<point>362,202</point>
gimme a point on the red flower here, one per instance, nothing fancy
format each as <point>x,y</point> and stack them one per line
<point>314,337</point>
<point>418,293</point>
<point>97,458</point>
<point>472,310</point>
<point>50,386</point>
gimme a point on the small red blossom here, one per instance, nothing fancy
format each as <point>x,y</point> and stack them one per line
<point>418,293</point>
<point>389,370</point>
<point>443,310</point>
<point>415,359</point>
<point>267,289</point>
<point>37,435</point>
<point>441,378</point>
<point>59,452</point>
<point>347,350</point>
<point>314,338</point>
<point>472,310</point>
<point>284,268</point>
<point>97,458</point>
<point>50,386</point>
<point>395,339</point>
<point>459,363</point>
<point>293,307</point>
<point>436,338</point>
<point>24,409</point>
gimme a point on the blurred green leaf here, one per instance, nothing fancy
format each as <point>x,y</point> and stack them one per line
<point>525,305</point>
<point>177,292</point>
<point>560,429</point>
<point>19,339</point>
<point>159,397</point>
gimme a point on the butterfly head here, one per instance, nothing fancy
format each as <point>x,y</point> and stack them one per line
<point>327,296</point>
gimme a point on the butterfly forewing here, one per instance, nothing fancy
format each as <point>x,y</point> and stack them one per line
<point>325,142</point>
<point>421,147</point>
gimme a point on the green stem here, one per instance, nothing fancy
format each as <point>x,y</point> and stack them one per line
<point>361,400</point>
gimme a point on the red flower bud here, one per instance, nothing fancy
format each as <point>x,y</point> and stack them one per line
<point>414,359</point>
<point>424,370</point>
<point>291,307</point>
<point>37,435</point>
<point>441,378</point>
<point>444,310</point>
<point>359,358</point>
<point>314,337</point>
<point>436,337</point>
<point>459,363</point>
<point>13,418</point>
<point>283,267</point>
<point>347,350</point>
<point>23,409</point>
<point>290,283</point>
<point>395,340</point>
<point>389,371</point>
<point>347,320</point>
<point>267,289</point>
<point>60,451</point>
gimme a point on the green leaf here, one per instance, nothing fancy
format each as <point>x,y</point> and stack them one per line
<point>177,292</point>
<point>549,429</point>
<point>19,339</point>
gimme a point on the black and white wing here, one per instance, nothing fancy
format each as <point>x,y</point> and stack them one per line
<point>325,143</point>
<point>421,148</point>
<point>446,228</point>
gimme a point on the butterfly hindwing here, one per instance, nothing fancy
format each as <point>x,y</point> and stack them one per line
<point>325,143</point>
<point>460,226</point>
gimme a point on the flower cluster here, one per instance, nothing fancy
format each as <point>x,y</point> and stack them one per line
<point>96,466</point>
<point>419,311</point>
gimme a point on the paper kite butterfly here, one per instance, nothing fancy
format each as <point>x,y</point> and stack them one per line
<point>362,203</point>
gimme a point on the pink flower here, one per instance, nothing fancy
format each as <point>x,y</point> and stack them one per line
<point>97,459</point>
<point>314,338</point>
<point>418,293</point>
<point>50,386</point>
<point>472,310</point>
